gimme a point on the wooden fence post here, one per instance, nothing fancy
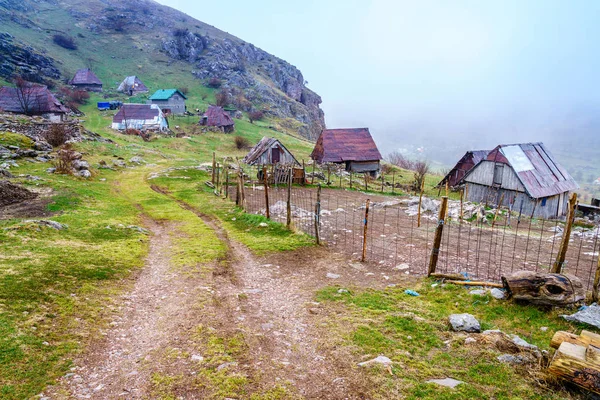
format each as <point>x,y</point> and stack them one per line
<point>462,195</point>
<point>564,244</point>
<point>328,174</point>
<point>393,180</point>
<point>366,182</point>
<point>382,180</point>
<point>437,240</point>
<point>303,173</point>
<point>419,208</point>
<point>350,179</point>
<point>214,164</point>
<point>497,209</point>
<point>312,180</point>
<point>289,201</point>
<point>596,282</point>
<point>318,215</point>
<point>242,193</point>
<point>266,180</point>
<point>227,182</point>
<point>217,183</point>
<point>366,222</point>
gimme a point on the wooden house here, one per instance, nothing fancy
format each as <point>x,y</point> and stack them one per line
<point>143,117</point>
<point>354,148</point>
<point>525,176</point>
<point>170,101</point>
<point>217,117</point>
<point>132,85</point>
<point>32,100</point>
<point>463,166</point>
<point>85,79</point>
<point>270,151</point>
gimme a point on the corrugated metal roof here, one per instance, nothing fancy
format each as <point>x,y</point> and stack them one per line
<point>37,99</point>
<point>134,83</point>
<point>340,145</point>
<point>546,178</point>
<point>265,144</point>
<point>463,166</point>
<point>216,116</point>
<point>137,112</point>
<point>165,94</point>
<point>85,77</point>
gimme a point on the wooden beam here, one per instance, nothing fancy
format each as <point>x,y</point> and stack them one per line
<point>570,363</point>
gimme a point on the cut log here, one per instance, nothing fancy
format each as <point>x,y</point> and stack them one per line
<point>456,277</point>
<point>586,338</point>
<point>543,288</point>
<point>570,363</point>
<point>476,283</point>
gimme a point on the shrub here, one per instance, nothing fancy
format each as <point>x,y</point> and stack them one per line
<point>222,98</point>
<point>56,136</point>
<point>214,83</point>
<point>421,169</point>
<point>255,116</point>
<point>65,160</point>
<point>74,96</point>
<point>184,89</point>
<point>241,142</point>
<point>64,41</point>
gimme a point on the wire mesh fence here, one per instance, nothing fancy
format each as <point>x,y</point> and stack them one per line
<point>483,245</point>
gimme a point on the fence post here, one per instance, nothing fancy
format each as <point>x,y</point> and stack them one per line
<point>227,182</point>
<point>312,180</point>
<point>382,182</point>
<point>596,282</point>
<point>364,249</point>
<point>242,194</point>
<point>564,244</point>
<point>437,240</point>
<point>462,195</point>
<point>419,208</point>
<point>393,180</point>
<point>366,182</point>
<point>266,191</point>
<point>328,174</point>
<point>318,215</point>
<point>350,179</point>
<point>303,173</point>
<point>497,209</point>
<point>289,201</point>
<point>217,176</point>
<point>214,163</point>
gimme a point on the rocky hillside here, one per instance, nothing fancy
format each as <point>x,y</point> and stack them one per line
<point>119,38</point>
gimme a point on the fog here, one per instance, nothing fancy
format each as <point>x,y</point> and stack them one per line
<point>435,78</point>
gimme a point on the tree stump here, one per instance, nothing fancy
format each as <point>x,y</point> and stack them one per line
<point>542,288</point>
<point>577,359</point>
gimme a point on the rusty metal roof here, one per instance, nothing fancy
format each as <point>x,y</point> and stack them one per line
<point>137,112</point>
<point>340,145</point>
<point>85,77</point>
<point>216,116</point>
<point>262,146</point>
<point>463,166</point>
<point>36,98</point>
<point>536,168</point>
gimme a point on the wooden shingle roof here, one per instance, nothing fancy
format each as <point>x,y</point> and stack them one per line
<point>340,145</point>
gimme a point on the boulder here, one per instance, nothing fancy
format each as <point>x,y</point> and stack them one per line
<point>464,323</point>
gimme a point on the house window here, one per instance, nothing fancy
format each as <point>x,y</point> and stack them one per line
<point>498,169</point>
<point>544,201</point>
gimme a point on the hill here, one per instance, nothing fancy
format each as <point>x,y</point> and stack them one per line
<point>164,47</point>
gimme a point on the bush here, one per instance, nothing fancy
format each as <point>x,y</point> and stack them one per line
<point>214,83</point>
<point>65,160</point>
<point>74,96</point>
<point>64,41</point>
<point>255,116</point>
<point>241,142</point>
<point>222,98</point>
<point>56,136</point>
<point>421,169</point>
<point>184,89</point>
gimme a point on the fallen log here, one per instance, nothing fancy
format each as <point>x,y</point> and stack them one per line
<point>577,364</point>
<point>544,288</point>
<point>584,339</point>
<point>476,283</point>
<point>456,277</point>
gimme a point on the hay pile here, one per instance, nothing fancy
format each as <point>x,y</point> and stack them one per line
<point>11,194</point>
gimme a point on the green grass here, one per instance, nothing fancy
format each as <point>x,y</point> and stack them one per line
<point>15,139</point>
<point>414,333</point>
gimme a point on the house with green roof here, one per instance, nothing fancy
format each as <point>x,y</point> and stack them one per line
<point>170,101</point>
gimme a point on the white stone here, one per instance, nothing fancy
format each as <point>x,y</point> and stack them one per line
<point>383,360</point>
<point>332,276</point>
<point>464,323</point>
<point>498,293</point>
<point>447,382</point>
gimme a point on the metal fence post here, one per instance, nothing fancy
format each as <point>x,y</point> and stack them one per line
<point>366,223</point>
<point>564,244</point>
<point>437,240</point>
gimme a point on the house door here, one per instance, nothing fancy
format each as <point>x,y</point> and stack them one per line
<point>275,155</point>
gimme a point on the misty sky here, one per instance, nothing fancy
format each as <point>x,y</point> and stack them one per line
<point>484,72</point>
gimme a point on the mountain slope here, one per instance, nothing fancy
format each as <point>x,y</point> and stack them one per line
<point>163,46</point>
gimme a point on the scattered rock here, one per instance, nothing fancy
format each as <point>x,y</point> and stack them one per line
<point>119,163</point>
<point>402,267</point>
<point>340,291</point>
<point>263,225</point>
<point>522,343</point>
<point>49,223</point>
<point>332,276</point>
<point>478,292</point>
<point>498,294</point>
<point>84,173</point>
<point>4,173</point>
<point>470,340</point>
<point>197,357</point>
<point>464,323</point>
<point>513,359</point>
<point>383,360</point>
<point>543,328</point>
<point>81,165</point>
<point>51,170</point>
<point>447,382</point>
<point>589,315</point>
<point>136,160</point>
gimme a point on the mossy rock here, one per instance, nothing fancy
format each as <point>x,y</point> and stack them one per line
<point>15,139</point>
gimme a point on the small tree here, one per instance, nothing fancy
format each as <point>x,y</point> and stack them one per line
<point>66,157</point>
<point>421,168</point>
<point>222,98</point>
<point>184,89</point>
<point>396,158</point>
<point>241,142</point>
<point>56,136</point>
<point>214,83</point>
<point>255,116</point>
<point>27,96</point>
<point>64,41</point>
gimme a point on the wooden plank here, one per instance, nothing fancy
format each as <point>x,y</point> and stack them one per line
<point>435,250</point>
<point>592,354</point>
<point>564,245</point>
<point>585,339</point>
<point>569,363</point>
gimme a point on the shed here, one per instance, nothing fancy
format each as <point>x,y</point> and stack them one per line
<point>85,79</point>
<point>463,166</point>
<point>140,116</point>
<point>216,116</point>
<point>171,101</point>
<point>355,148</point>
<point>526,176</point>
<point>32,100</point>
<point>132,85</point>
<point>269,151</point>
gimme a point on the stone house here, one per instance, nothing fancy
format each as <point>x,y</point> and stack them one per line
<point>33,100</point>
<point>170,101</point>
<point>143,117</point>
<point>85,79</point>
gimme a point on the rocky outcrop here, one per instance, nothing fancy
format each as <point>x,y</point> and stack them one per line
<point>30,64</point>
<point>185,45</point>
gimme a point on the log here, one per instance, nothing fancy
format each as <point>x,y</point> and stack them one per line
<point>542,288</point>
<point>476,283</point>
<point>586,338</point>
<point>570,362</point>
<point>456,277</point>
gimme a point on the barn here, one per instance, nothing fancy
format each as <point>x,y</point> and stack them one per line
<point>217,117</point>
<point>32,100</point>
<point>525,176</point>
<point>270,151</point>
<point>170,101</point>
<point>85,79</point>
<point>354,148</point>
<point>463,166</point>
<point>140,116</point>
<point>132,85</point>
